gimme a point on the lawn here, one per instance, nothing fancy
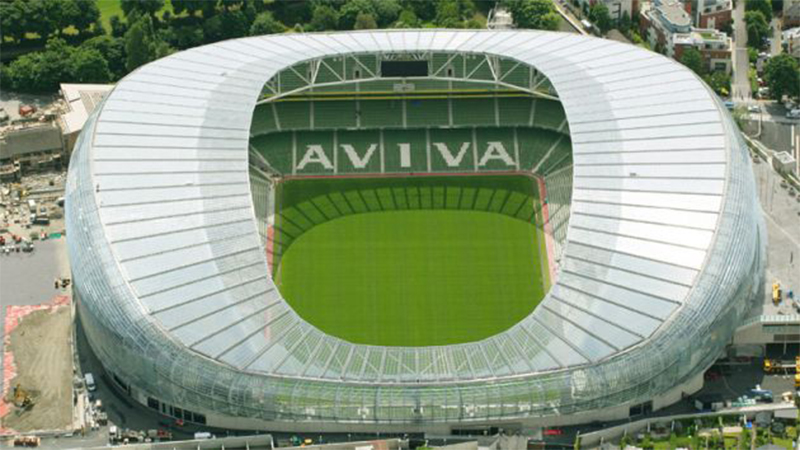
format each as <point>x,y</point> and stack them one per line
<point>415,277</point>
<point>109,8</point>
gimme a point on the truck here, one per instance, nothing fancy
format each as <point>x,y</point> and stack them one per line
<point>89,380</point>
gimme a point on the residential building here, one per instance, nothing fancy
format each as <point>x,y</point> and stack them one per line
<point>791,13</point>
<point>791,41</point>
<point>715,46</point>
<point>667,26</point>
<point>716,14</point>
<point>616,8</point>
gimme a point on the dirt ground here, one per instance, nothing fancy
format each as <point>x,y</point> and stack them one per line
<point>41,348</point>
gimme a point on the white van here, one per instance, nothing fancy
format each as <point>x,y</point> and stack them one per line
<point>89,380</point>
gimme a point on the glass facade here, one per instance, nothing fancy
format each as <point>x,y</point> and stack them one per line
<point>174,293</point>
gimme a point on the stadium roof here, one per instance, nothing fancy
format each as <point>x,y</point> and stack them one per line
<point>169,163</point>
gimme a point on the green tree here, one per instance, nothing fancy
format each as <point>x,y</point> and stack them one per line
<point>43,17</point>
<point>141,7</point>
<point>407,19</point>
<point>40,71</point>
<point>13,19</point>
<point>191,7</point>
<point>365,21</point>
<point>235,23</point>
<point>265,23</point>
<point>599,15</point>
<point>89,66</point>
<point>477,22</point>
<point>752,55</point>
<point>140,47</point>
<point>350,11</point>
<point>782,76</point>
<point>625,22</point>
<point>386,11</point>
<point>720,82</point>
<point>424,11</point>
<point>113,50</point>
<point>535,14</point>
<point>757,28</point>
<point>447,14</point>
<point>693,59</point>
<point>118,26</point>
<point>763,6</point>
<point>324,18</point>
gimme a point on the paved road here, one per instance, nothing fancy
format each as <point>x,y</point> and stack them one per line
<point>741,64</point>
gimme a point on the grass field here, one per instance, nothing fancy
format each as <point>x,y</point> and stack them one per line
<point>414,277</point>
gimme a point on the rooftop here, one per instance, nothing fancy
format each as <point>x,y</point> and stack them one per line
<point>81,99</point>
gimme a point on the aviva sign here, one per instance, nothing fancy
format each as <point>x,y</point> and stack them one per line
<point>406,151</point>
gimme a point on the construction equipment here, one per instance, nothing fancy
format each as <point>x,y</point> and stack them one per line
<point>27,441</point>
<point>776,293</point>
<point>785,366</point>
<point>22,399</point>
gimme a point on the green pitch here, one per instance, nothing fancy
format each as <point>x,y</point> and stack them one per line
<point>412,276</point>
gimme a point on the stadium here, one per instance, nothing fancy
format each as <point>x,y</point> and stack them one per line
<point>411,230</point>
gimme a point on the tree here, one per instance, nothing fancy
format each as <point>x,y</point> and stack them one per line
<point>625,22</point>
<point>113,50</point>
<point>350,11</point>
<point>599,15</point>
<point>365,22</point>
<point>693,59</point>
<point>407,19</point>
<point>89,66</point>
<point>782,76</point>
<point>386,11</point>
<point>447,14</point>
<point>324,18</point>
<point>265,23</point>
<point>41,71</point>
<point>235,23</point>
<point>720,82</point>
<point>43,17</point>
<point>477,22</point>
<point>763,6</point>
<point>191,7</point>
<point>13,19</point>
<point>757,28</point>
<point>535,14</point>
<point>140,47</point>
<point>141,7</point>
<point>118,27</point>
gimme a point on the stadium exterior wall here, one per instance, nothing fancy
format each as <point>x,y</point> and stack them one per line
<point>135,348</point>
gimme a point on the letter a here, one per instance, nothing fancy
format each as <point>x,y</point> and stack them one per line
<point>315,154</point>
<point>496,150</point>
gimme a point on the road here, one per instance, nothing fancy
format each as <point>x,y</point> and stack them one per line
<point>741,64</point>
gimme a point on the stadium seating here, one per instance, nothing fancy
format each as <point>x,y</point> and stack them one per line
<point>558,188</point>
<point>441,134</point>
<point>421,150</point>
<point>440,111</point>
